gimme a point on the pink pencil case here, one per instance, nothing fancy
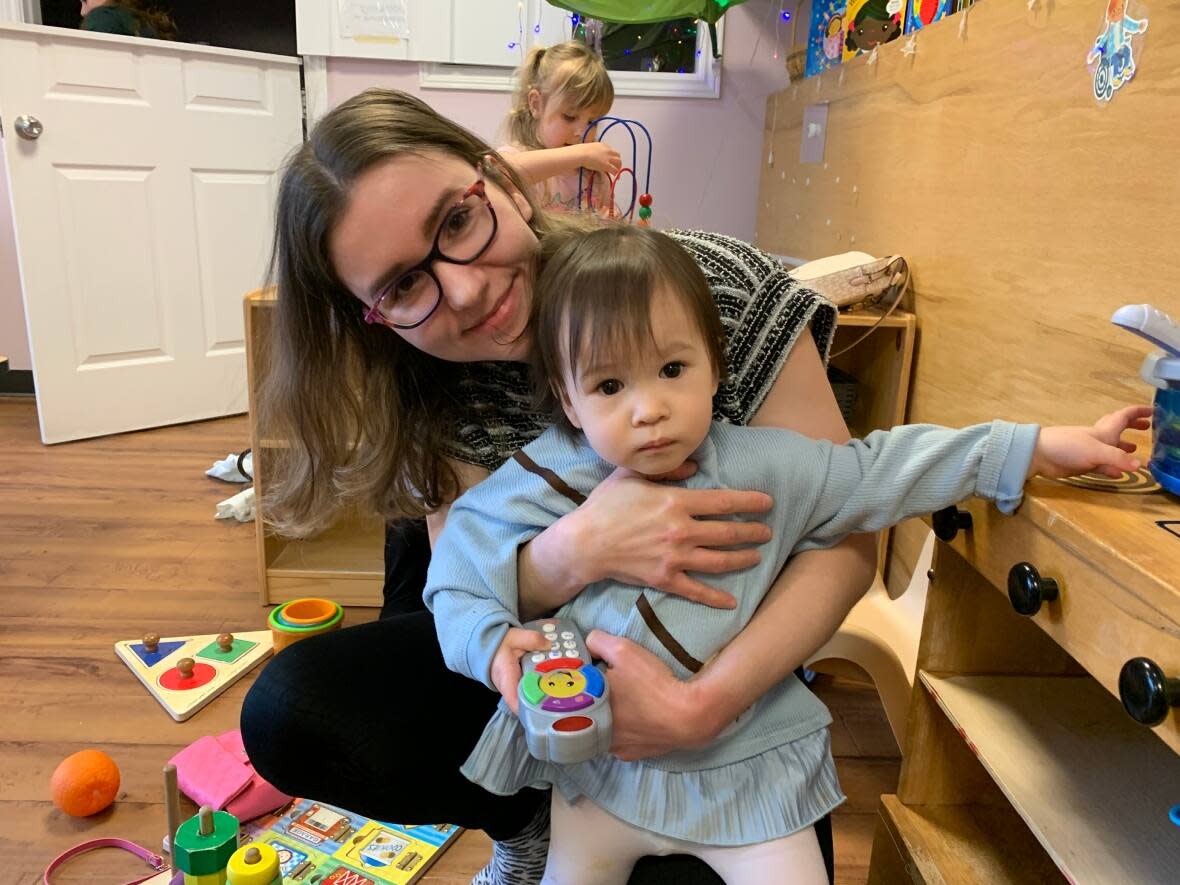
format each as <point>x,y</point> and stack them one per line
<point>215,771</point>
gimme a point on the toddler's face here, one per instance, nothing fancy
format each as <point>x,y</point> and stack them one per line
<point>559,123</point>
<point>651,410</point>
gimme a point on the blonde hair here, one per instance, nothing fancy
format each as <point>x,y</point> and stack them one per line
<point>365,415</point>
<point>568,70</point>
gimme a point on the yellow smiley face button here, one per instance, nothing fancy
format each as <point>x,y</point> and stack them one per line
<point>563,683</point>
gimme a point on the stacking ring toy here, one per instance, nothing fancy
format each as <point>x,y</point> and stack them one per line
<point>301,618</point>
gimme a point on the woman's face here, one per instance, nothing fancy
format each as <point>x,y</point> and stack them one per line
<point>389,225</point>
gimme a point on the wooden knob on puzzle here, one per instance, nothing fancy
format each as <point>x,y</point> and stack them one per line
<point>151,642</point>
<point>253,856</point>
<point>225,642</point>
<point>205,814</point>
<point>185,666</point>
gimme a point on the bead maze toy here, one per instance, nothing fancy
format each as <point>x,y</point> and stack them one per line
<point>644,199</point>
<point>184,673</point>
<point>301,618</point>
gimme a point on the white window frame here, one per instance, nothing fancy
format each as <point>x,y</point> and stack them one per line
<point>705,82</point>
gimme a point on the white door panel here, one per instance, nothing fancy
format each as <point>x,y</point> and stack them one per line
<point>143,212</point>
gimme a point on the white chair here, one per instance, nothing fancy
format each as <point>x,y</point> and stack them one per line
<point>880,635</point>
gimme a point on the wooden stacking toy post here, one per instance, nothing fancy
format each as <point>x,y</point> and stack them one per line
<point>254,864</point>
<point>203,846</point>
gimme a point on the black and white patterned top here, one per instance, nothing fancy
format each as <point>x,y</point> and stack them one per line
<point>762,309</point>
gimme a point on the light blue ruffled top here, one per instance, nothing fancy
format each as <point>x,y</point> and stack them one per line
<point>771,772</point>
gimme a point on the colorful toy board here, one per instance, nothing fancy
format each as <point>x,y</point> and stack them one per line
<point>184,673</point>
<point>825,40</point>
<point>342,848</point>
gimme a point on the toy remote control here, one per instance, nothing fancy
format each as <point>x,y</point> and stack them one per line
<point>564,699</point>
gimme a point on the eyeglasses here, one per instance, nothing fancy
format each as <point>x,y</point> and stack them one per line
<point>466,231</point>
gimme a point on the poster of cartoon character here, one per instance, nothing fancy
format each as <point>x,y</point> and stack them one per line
<point>920,13</point>
<point>1111,59</point>
<point>825,37</point>
<point>869,23</point>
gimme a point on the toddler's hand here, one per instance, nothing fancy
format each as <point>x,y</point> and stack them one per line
<point>598,156</point>
<point>1068,451</point>
<point>506,661</point>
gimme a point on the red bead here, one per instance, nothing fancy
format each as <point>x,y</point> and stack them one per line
<point>645,199</point>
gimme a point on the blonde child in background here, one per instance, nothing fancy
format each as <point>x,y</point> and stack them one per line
<point>559,91</point>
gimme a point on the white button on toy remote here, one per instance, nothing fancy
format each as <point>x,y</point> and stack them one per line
<point>566,634</point>
<point>537,658</point>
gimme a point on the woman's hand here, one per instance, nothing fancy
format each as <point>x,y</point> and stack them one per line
<point>653,712</point>
<point>598,156</point>
<point>1068,451</point>
<point>506,662</point>
<point>647,534</point>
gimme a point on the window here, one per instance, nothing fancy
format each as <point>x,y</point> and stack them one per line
<point>669,59</point>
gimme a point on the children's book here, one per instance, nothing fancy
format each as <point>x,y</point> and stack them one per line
<point>342,848</point>
<point>920,13</point>
<point>869,23</point>
<point>825,37</point>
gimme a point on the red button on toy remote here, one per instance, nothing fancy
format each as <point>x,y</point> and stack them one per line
<point>560,664</point>
<point>573,723</point>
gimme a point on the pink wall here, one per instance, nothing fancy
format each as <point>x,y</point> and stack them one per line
<point>707,151</point>
<point>14,342</point>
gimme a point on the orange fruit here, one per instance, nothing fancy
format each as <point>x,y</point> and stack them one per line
<point>84,783</point>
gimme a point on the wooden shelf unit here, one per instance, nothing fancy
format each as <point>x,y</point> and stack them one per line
<point>346,562</point>
<point>1021,714</point>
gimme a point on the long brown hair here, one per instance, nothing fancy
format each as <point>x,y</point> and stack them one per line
<point>364,415</point>
<point>570,70</point>
<point>593,298</point>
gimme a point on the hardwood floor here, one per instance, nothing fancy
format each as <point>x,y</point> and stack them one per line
<point>103,540</point>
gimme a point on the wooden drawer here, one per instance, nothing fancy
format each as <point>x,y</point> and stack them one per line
<point>1108,609</point>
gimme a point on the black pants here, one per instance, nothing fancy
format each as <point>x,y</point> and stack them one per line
<point>369,718</point>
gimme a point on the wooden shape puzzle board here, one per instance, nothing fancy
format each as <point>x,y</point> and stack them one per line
<point>214,671</point>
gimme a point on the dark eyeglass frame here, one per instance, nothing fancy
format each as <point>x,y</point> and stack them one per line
<point>373,314</point>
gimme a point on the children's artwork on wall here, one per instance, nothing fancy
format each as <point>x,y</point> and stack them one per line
<point>920,13</point>
<point>825,37</point>
<point>869,23</point>
<point>1111,60</point>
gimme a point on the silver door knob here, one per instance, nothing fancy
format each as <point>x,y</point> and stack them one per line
<point>29,127</point>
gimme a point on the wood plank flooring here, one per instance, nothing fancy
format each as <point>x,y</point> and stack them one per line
<point>105,539</point>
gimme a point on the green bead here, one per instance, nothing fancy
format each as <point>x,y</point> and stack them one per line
<point>645,212</point>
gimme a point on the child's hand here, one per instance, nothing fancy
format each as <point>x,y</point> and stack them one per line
<point>1068,451</point>
<point>506,661</point>
<point>598,156</point>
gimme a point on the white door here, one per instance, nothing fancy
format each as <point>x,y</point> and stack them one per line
<point>143,212</point>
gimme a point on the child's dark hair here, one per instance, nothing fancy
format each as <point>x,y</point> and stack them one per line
<point>594,293</point>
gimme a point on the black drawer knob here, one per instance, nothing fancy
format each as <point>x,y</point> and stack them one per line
<point>1147,694</point>
<point>948,521</point>
<point>1027,589</point>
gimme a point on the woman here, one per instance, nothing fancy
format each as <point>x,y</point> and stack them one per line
<point>402,418</point>
<point>132,18</point>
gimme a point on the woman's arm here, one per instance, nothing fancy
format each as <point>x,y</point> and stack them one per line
<point>808,601</point>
